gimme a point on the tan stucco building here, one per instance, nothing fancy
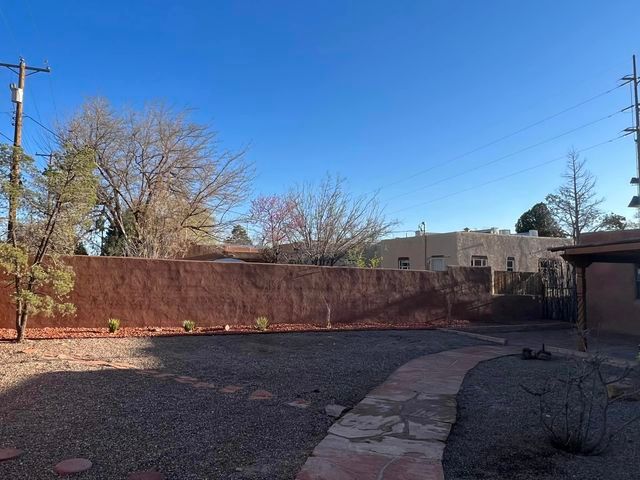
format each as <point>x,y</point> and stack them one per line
<point>494,248</point>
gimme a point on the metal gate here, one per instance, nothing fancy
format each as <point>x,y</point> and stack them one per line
<point>558,289</point>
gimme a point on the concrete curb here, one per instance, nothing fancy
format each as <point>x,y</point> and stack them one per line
<point>607,360</point>
<point>478,336</point>
<point>525,327</point>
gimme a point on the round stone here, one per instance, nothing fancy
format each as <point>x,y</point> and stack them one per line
<point>9,453</point>
<point>72,465</point>
<point>149,475</point>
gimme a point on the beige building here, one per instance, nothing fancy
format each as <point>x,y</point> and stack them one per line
<point>494,248</point>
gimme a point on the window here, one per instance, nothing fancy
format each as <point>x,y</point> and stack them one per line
<point>479,261</point>
<point>511,264</point>
<point>438,263</point>
<point>404,263</point>
<point>638,281</point>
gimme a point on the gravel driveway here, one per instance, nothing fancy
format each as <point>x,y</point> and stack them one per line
<point>124,421</point>
<point>498,433</point>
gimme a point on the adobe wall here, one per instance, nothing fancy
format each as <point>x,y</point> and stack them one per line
<point>164,293</point>
<point>612,303</point>
<point>611,298</point>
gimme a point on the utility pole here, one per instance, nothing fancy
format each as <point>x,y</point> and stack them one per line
<point>423,229</point>
<point>48,156</point>
<point>17,97</point>
<point>633,79</point>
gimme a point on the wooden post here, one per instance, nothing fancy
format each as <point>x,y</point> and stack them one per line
<point>581,297</point>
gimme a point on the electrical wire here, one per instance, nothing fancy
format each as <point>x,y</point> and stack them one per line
<point>499,159</point>
<point>43,126</point>
<point>518,172</point>
<point>500,139</point>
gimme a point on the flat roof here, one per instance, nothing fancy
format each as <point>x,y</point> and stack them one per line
<point>621,251</point>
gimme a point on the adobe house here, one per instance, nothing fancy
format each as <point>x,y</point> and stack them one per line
<point>499,249</point>
<point>246,253</point>
<point>608,280</point>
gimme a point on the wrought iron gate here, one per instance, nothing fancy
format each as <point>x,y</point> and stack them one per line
<point>558,289</point>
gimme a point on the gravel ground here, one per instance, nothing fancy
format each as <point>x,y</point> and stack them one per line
<point>123,421</point>
<point>498,434</point>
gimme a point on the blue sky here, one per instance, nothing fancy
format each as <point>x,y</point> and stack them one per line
<point>375,91</point>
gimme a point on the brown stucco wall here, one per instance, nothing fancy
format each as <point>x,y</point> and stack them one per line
<point>611,298</point>
<point>144,292</point>
<point>611,290</point>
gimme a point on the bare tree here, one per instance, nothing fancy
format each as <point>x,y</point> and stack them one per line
<point>574,407</point>
<point>163,182</point>
<point>328,221</point>
<point>575,205</point>
<point>272,216</point>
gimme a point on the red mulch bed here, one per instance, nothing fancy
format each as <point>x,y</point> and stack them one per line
<point>48,333</point>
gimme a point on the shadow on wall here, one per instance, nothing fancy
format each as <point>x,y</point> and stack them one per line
<point>164,293</point>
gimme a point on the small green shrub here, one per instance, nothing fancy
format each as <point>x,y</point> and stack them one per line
<point>189,325</point>
<point>114,325</point>
<point>262,323</point>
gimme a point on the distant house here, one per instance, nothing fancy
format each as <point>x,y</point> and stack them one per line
<point>494,248</point>
<point>247,253</point>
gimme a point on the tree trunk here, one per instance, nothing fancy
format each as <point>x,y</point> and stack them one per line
<point>21,321</point>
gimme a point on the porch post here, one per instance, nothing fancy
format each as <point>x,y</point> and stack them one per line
<point>581,298</point>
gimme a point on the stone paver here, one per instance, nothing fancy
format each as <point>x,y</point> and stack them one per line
<point>261,395</point>
<point>71,466</point>
<point>399,430</point>
<point>230,389</point>
<point>9,453</point>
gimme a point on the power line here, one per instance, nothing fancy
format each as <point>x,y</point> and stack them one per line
<point>496,160</point>
<point>500,139</point>
<point>518,172</point>
<point>44,127</point>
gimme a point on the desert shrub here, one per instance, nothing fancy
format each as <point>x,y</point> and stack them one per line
<point>574,407</point>
<point>189,325</point>
<point>262,323</point>
<point>113,324</point>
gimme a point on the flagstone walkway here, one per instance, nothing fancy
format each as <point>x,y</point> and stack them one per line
<point>399,430</point>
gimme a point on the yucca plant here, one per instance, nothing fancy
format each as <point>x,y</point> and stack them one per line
<point>113,324</point>
<point>189,325</point>
<point>262,323</point>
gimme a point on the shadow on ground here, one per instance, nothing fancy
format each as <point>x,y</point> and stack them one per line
<point>125,421</point>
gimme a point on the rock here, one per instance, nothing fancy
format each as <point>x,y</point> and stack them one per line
<point>334,410</point>
<point>227,328</point>
<point>299,403</point>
